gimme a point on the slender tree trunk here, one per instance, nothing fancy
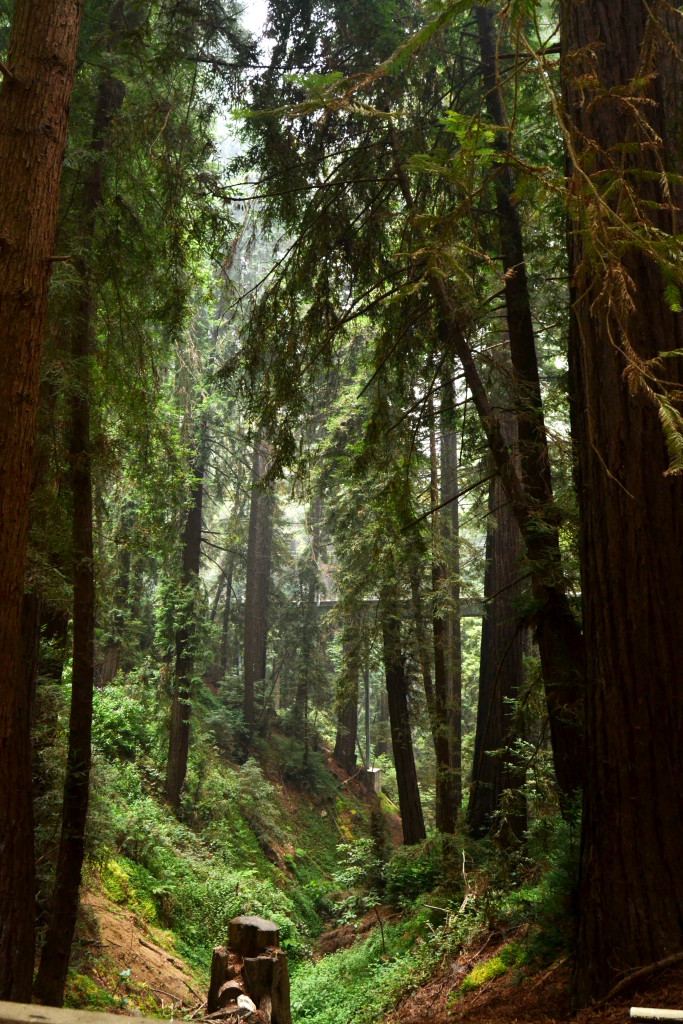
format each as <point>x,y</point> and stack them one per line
<point>500,676</point>
<point>447,793</point>
<point>399,718</point>
<point>347,708</point>
<point>54,961</point>
<point>382,744</point>
<point>631,884</point>
<point>34,107</point>
<point>225,628</point>
<point>558,633</point>
<point>185,641</point>
<point>258,580</point>
<point>450,526</point>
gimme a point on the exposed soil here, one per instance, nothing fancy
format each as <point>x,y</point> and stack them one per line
<point>525,998</point>
<point>120,941</point>
<point>345,936</point>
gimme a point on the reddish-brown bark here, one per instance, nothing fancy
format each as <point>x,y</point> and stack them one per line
<point>34,110</point>
<point>631,886</point>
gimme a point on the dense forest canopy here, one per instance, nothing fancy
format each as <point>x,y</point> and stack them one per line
<point>341,423</point>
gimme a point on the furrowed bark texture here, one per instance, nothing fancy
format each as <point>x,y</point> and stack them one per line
<point>258,581</point>
<point>631,885</point>
<point>399,720</point>
<point>34,109</point>
<point>185,640</point>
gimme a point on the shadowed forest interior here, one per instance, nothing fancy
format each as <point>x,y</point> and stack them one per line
<point>341,508</point>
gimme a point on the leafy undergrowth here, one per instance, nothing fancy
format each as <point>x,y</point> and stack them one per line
<point>260,837</point>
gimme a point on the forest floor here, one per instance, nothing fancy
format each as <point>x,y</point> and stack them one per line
<point>522,997</point>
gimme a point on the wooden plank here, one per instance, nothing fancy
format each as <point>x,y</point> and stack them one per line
<point>30,1013</point>
<point>650,1013</point>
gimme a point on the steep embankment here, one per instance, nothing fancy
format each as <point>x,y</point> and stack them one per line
<point>261,837</point>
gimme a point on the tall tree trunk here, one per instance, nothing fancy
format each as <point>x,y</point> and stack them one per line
<point>500,676</point>
<point>258,581</point>
<point>225,626</point>
<point>399,719</point>
<point>631,883</point>
<point>558,633</point>
<point>347,708</point>
<point>447,792</point>
<point>382,744</point>
<point>185,640</point>
<point>450,528</point>
<point>34,107</point>
<point>54,960</point>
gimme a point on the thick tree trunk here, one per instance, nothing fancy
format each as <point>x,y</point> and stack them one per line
<point>631,887</point>
<point>558,634</point>
<point>34,107</point>
<point>399,719</point>
<point>258,581</point>
<point>185,642</point>
<point>500,677</point>
<point>54,961</point>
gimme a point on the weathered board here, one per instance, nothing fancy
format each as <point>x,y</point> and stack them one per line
<point>650,1013</point>
<point>30,1013</point>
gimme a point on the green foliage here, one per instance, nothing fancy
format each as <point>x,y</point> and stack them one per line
<point>413,871</point>
<point>509,956</point>
<point>82,993</point>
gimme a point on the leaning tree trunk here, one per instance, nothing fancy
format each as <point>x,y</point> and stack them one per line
<point>558,634</point>
<point>500,677</point>
<point>623,85</point>
<point>34,107</point>
<point>258,581</point>
<point>185,642</point>
<point>399,719</point>
<point>56,952</point>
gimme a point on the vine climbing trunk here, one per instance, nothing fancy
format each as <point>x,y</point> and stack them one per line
<point>623,90</point>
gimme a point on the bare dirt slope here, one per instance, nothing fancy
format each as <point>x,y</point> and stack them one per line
<point>119,941</point>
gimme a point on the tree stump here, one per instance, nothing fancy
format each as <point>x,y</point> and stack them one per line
<point>252,965</point>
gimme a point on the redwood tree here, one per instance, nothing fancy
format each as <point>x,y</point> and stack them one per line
<point>36,92</point>
<point>623,85</point>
